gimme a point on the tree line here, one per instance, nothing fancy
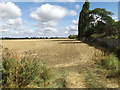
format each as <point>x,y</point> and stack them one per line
<point>32,38</point>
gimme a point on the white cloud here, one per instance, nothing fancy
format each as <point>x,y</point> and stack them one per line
<point>66,0</point>
<point>48,12</point>
<point>115,17</point>
<point>75,22</point>
<point>66,32</point>
<point>72,29</point>
<point>47,24</point>
<point>73,13</point>
<point>47,31</point>
<point>50,29</point>
<point>17,32</point>
<point>77,6</point>
<point>9,10</point>
<point>10,16</point>
<point>12,23</point>
<point>16,21</point>
<point>36,0</point>
<point>48,17</point>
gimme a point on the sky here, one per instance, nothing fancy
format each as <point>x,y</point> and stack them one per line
<point>45,19</point>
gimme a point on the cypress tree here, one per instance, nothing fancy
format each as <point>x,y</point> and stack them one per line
<point>83,22</point>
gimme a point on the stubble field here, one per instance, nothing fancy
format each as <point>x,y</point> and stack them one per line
<point>68,55</point>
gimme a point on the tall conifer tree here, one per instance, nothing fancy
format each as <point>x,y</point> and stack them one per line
<point>83,19</point>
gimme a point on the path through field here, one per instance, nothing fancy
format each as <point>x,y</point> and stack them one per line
<point>60,55</point>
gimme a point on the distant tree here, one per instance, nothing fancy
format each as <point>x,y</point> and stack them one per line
<point>72,36</point>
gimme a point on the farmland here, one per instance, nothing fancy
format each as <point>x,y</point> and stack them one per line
<point>61,55</point>
<point>57,52</point>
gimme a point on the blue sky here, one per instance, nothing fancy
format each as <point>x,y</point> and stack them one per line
<point>30,19</point>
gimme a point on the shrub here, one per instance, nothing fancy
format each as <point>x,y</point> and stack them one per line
<point>111,62</point>
<point>18,73</point>
<point>72,36</point>
<point>26,72</point>
<point>96,35</point>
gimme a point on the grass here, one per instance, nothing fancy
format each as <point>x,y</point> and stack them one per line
<point>58,55</point>
<point>18,73</point>
<point>111,62</point>
<point>107,67</point>
<point>27,72</point>
<point>93,81</point>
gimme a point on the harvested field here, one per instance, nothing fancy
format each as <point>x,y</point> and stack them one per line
<point>59,54</point>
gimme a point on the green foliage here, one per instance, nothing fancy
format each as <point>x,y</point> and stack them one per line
<point>26,72</point>
<point>117,25</point>
<point>111,62</point>
<point>112,65</point>
<point>19,73</point>
<point>83,20</point>
<point>72,36</point>
<point>97,21</point>
<point>113,36</point>
<point>93,81</point>
<point>60,82</point>
<point>96,35</point>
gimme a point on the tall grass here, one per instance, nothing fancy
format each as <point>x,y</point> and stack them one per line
<point>112,63</point>
<point>25,71</point>
<point>93,81</point>
<point>18,72</point>
<point>108,66</point>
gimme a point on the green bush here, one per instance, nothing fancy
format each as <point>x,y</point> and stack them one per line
<point>96,35</point>
<point>113,36</point>
<point>19,73</point>
<point>72,36</point>
<point>26,72</point>
<point>111,62</point>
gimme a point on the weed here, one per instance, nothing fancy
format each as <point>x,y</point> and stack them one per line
<point>27,72</point>
<point>18,73</point>
<point>93,82</point>
<point>111,62</point>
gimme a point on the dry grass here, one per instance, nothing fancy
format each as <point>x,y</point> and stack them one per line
<point>55,52</point>
<point>59,54</point>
